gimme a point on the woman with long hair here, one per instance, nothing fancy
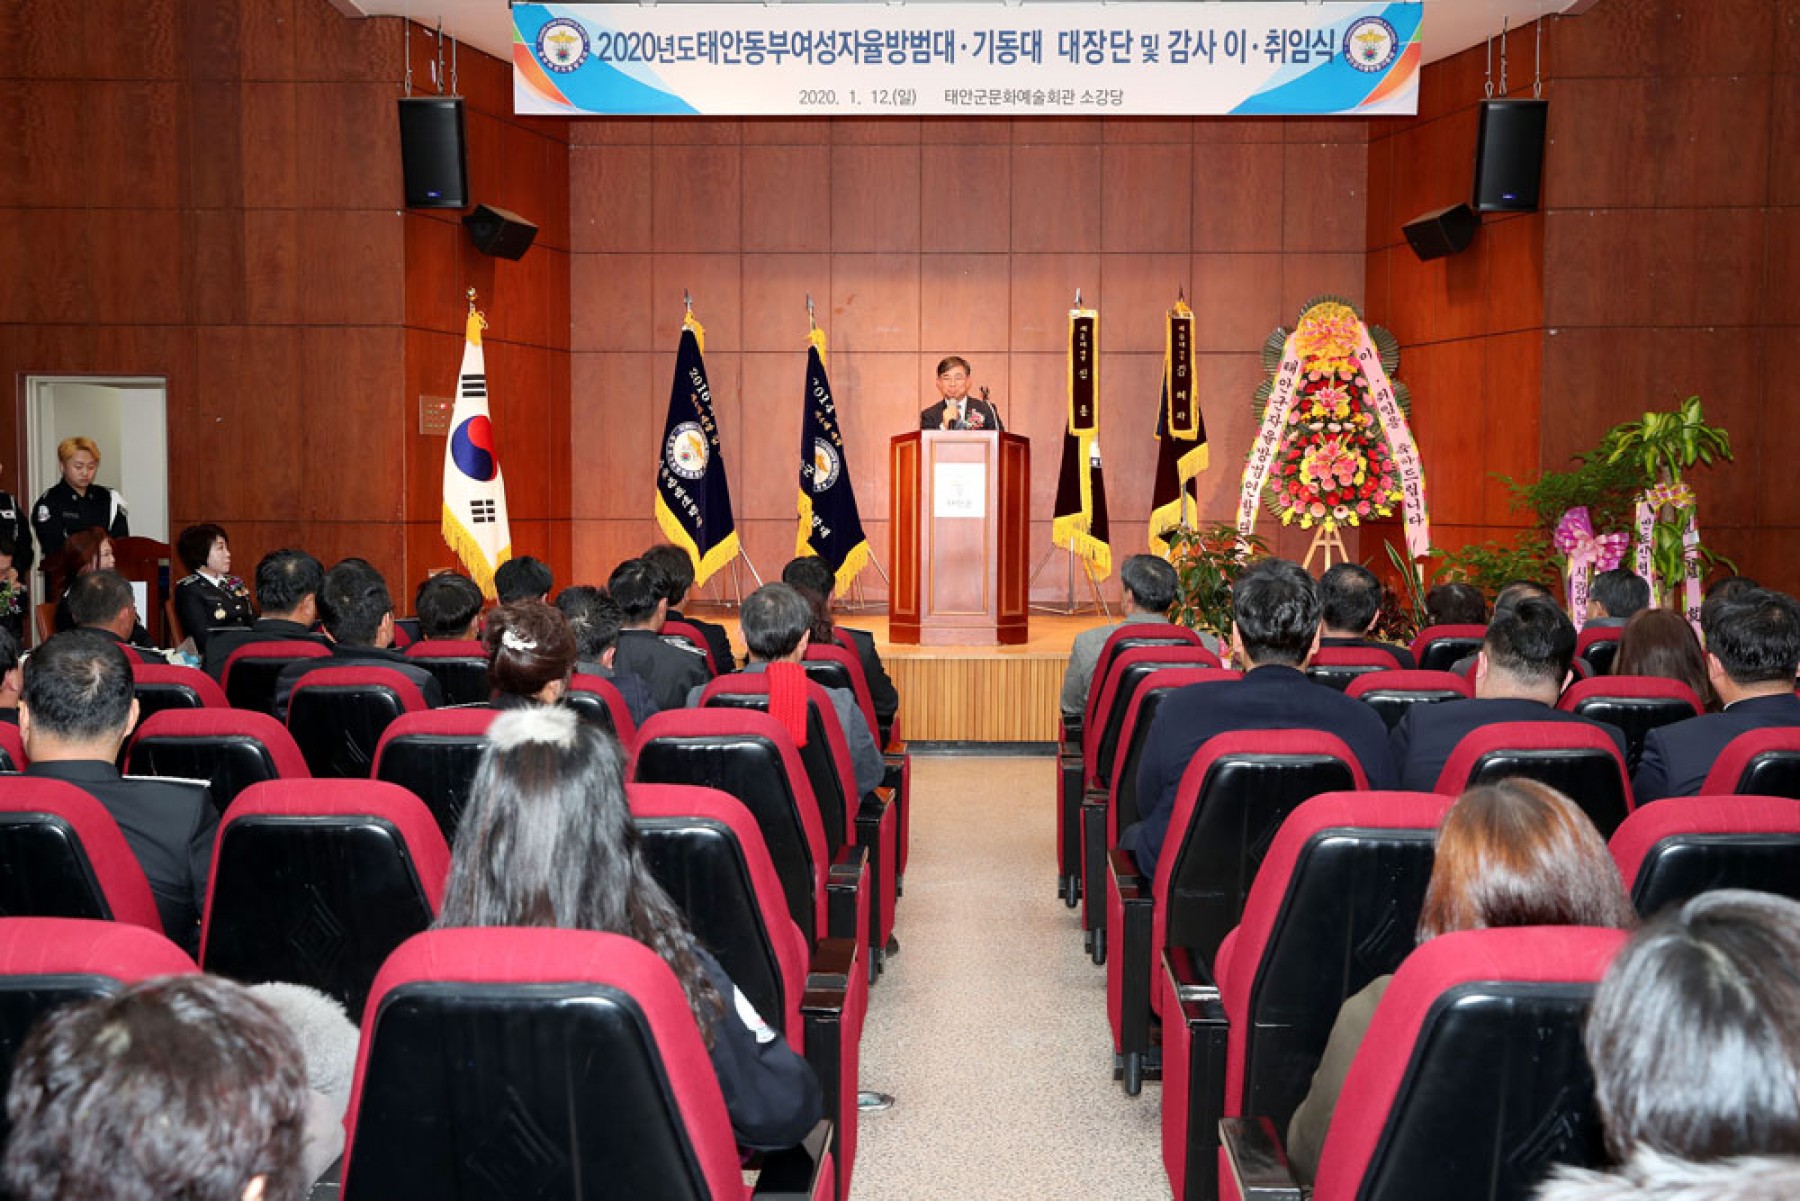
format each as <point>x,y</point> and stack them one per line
<point>1660,642</point>
<point>531,654</point>
<point>84,551</point>
<point>1515,853</point>
<point>548,840</point>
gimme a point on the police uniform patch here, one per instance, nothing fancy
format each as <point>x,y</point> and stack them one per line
<point>43,513</point>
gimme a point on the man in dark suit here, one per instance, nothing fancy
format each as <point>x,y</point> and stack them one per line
<point>594,619</point>
<point>1752,654</point>
<point>358,614</point>
<point>678,576</point>
<point>672,670</point>
<point>1616,596</point>
<point>814,574</point>
<point>75,714</point>
<point>1350,603</point>
<point>1520,671</point>
<point>958,410</point>
<point>103,602</point>
<point>288,582</point>
<point>1275,631</point>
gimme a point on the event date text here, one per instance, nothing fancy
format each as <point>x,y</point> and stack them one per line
<point>877,97</point>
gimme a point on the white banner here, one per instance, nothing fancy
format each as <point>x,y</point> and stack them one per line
<point>1334,58</point>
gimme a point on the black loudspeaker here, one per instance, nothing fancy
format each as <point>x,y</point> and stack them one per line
<point>431,153</point>
<point>500,233</point>
<point>1442,232</point>
<point>1509,155</point>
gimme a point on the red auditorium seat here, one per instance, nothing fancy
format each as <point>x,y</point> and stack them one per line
<point>599,700</point>
<point>62,855</point>
<point>1233,797</point>
<point>433,754</point>
<point>459,665</point>
<point>706,851</point>
<point>1635,704</point>
<point>482,1050</point>
<point>230,749</point>
<point>1578,760</point>
<point>1436,648</point>
<point>315,882</point>
<point>1337,666</point>
<point>160,686</point>
<point>1598,646</point>
<point>690,634</point>
<point>1335,905</point>
<point>835,667</point>
<point>749,754</point>
<point>1472,1081</point>
<point>337,714</point>
<point>1760,762</point>
<point>1392,693</point>
<point>1679,847</point>
<point>871,822</point>
<point>251,671</point>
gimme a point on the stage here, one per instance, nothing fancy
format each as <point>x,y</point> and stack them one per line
<point>969,693</point>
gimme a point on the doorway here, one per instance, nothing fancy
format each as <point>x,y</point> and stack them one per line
<point>126,416</point>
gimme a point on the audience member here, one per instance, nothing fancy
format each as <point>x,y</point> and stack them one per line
<point>594,619</point>
<point>677,570</point>
<point>670,670</point>
<point>1149,588</point>
<point>812,572</point>
<point>1520,671</point>
<point>180,1087</point>
<point>1455,604</point>
<point>85,551</point>
<point>102,601</point>
<point>74,715</point>
<point>1660,642</point>
<point>12,677</point>
<point>1515,853</point>
<point>547,840</point>
<point>531,654</point>
<point>209,597</point>
<point>358,615</point>
<point>523,579</point>
<point>1509,596</point>
<point>1720,591</point>
<point>1616,596</point>
<point>288,583</point>
<point>14,595</point>
<point>1350,605</point>
<point>775,621</point>
<point>1274,632</point>
<point>448,606</point>
<point>1695,1041</point>
<point>15,532</point>
<point>1752,653</point>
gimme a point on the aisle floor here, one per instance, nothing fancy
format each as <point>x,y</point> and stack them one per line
<point>990,1026</point>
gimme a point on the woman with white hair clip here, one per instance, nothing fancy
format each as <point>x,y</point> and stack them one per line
<point>1695,1043</point>
<point>531,654</point>
<point>547,840</point>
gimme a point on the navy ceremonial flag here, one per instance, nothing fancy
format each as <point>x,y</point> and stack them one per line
<point>1172,497</point>
<point>475,524</point>
<point>693,499</point>
<point>1078,520</point>
<point>1181,452</point>
<point>830,526</point>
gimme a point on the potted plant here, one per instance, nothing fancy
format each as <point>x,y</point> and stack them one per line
<point>1206,560</point>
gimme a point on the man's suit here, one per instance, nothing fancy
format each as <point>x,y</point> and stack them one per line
<point>1677,757</point>
<point>357,656</point>
<point>977,415</point>
<point>1421,744</point>
<point>264,629</point>
<point>670,671</point>
<point>882,692</point>
<point>169,825</point>
<point>1402,655</point>
<point>1084,656</point>
<point>1267,698</point>
<point>717,640</point>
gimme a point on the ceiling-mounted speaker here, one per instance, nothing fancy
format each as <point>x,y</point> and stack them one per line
<point>431,152</point>
<point>1442,232</point>
<point>1509,155</point>
<point>500,233</point>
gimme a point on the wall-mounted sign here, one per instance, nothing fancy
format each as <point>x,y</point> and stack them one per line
<point>1334,58</point>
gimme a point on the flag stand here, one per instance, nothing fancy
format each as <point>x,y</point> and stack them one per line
<point>858,601</point>
<point>1071,609</point>
<point>736,598</point>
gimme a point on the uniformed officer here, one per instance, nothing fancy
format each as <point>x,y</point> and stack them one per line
<point>77,502</point>
<point>12,524</point>
<point>210,597</point>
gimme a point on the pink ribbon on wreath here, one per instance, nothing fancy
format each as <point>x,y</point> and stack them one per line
<point>1588,553</point>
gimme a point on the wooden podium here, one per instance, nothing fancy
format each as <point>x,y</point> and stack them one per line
<point>960,517</point>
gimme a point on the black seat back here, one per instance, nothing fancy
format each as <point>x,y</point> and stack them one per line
<point>1588,777</point>
<point>439,769</point>
<point>749,768</point>
<point>1443,653</point>
<point>229,763</point>
<point>338,727</point>
<point>1636,716</point>
<point>1130,677</point>
<point>1772,773</point>
<point>1125,804</point>
<point>45,871</point>
<point>590,708</point>
<point>1683,866</point>
<point>155,696</point>
<point>251,684</point>
<point>463,679</point>
<point>1600,655</point>
<point>1392,703</point>
<point>315,900</point>
<point>815,756</point>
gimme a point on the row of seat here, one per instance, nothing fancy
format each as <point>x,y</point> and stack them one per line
<point>484,1054</point>
<point>318,882</point>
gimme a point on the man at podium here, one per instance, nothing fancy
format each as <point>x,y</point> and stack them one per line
<point>958,410</point>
